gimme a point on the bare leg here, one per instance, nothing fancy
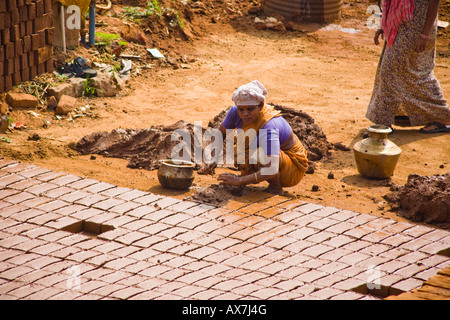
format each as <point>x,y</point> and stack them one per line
<point>275,185</point>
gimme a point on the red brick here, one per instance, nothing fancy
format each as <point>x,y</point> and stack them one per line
<point>7,20</point>
<point>23,13</point>
<point>42,38</point>
<point>8,82</point>
<point>2,81</point>
<point>2,21</point>
<point>17,64</point>
<point>30,57</point>
<point>15,18</point>
<point>47,6</point>
<point>9,51</point>
<point>2,57</point>
<point>18,48</point>
<point>24,62</point>
<point>44,54</point>
<point>10,5</point>
<point>32,11</point>
<point>41,68</point>
<point>21,100</point>
<point>28,27</point>
<point>33,72</point>
<point>27,46</point>
<point>39,8</point>
<point>2,6</point>
<point>38,24</point>
<point>34,41</point>
<point>50,36</point>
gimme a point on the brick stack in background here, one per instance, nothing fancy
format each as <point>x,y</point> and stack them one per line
<point>26,40</point>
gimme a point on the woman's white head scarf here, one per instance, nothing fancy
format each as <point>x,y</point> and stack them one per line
<point>250,94</point>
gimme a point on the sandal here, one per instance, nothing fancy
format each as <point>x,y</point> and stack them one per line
<point>439,128</point>
<point>79,68</point>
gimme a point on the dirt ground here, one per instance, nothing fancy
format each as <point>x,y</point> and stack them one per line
<point>328,74</point>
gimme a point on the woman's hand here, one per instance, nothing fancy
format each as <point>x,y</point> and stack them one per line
<point>377,35</point>
<point>420,45</point>
<point>207,168</point>
<point>230,179</point>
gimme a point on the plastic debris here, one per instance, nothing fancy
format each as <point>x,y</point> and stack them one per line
<point>156,53</point>
<point>442,24</point>
<point>332,27</point>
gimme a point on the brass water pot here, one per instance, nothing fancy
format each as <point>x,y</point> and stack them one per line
<point>376,156</point>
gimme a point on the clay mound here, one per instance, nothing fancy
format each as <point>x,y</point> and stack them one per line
<point>143,148</point>
<point>303,125</point>
<point>423,198</point>
<point>218,195</point>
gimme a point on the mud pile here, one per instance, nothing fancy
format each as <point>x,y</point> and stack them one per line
<point>218,195</point>
<point>423,198</point>
<point>143,148</point>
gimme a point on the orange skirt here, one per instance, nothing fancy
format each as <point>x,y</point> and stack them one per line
<point>293,164</point>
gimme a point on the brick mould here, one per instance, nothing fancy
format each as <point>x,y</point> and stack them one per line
<point>26,41</point>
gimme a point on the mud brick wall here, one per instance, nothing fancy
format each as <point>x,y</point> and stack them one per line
<point>26,40</point>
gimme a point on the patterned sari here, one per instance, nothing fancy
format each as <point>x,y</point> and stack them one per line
<point>405,83</point>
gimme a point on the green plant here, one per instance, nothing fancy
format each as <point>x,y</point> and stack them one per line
<point>106,38</point>
<point>136,13</point>
<point>153,7</point>
<point>133,13</point>
<point>88,90</point>
<point>180,21</point>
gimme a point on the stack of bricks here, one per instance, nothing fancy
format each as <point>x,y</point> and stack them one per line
<point>26,40</point>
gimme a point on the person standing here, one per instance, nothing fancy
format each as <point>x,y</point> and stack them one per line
<point>405,82</point>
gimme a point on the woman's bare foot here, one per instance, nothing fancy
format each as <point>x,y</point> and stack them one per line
<point>435,127</point>
<point>274,190</point>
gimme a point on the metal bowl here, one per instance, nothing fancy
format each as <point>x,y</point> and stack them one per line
<point>176,174</point>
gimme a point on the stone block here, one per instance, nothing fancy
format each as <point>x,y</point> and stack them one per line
<point>4,108</point>
<point>4,123</point>
<point>21,100</point>
<point>74,88</point>
<point>66,104</point>
<point>104,85</point>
